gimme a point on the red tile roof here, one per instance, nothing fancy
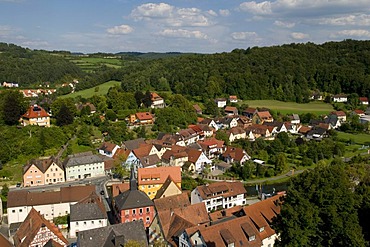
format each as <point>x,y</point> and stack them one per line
<point>158,175</point>
<point>359,112</point>
<point>339,113</point>
<point>231,109</point>
<point>142,116</point>
<point>225,189</point>
<point>30,228</point>
<point>4,242</point>
<point>364,99</point>
<point>35,111</point>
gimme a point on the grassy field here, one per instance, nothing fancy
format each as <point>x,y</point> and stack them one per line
<point>89,64</point>
<point>316,107</point>
<point>87,93</point>
<point>359,139</point>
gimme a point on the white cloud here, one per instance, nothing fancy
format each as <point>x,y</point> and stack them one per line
<point>284,24</point>
<point>357,33</point>
<point>35,43</point>
<point>353,19</point>
<point>181,33</point>
<point>173,16</point>
<point>122,29</point>
<point>212,12</point>
<point>224,12</point>
<point>299,36</point>
<point>256,8</point>
<point>244,35</point>
<point>5,30</point>
<point>152,10</point>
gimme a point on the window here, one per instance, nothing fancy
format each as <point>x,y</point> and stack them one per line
<point>134,211</point>
<point>20,210</point>
<point>76,223</point>
<point>127,212</point>
<point>141,211</point>
<point>147,210</point>
<point>92,222</point>
<point>13,211</point>
<point>47,175</point>
<point>51,169</point>
<point>85,223</point>
<point>147,219</point>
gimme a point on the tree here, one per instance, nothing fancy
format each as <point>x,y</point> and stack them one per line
<point>4,192</point>
<point>222,136</point>
<point>281,163</point>
<point>12,107</point>
<point>320,210</point>
<point>64,116</point>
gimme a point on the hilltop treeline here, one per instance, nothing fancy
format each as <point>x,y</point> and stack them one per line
<point>29,67</point>
<point>287,72</point>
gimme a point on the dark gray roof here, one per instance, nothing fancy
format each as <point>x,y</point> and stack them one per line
<point>77,160</point>
<point>113,235</point>
<point>132,199</point>
<point>86,211</point>
<point>133,144</point>
<point>150,160</point>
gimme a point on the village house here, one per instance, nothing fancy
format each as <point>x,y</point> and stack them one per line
<point>169,188</point>
<point>210,122</point>
<point>294,119</point>
<point>250,112</point>
<point>278,127</point>
<point>236,133</point>
<point>226,122</point>
<point>207,130</point>
<point>10,84</point>
<point>145,152</point>
<point>114,235</point>
<point>150,180</point>
<point>233,99</point>
<point>83,165</point>
<point>212,147</point>
<point>108,149</point>
<point>198,158</point>
<point>132,144</point>
<point>133,205</point>
<point>44,171</point>
<point>262,116</point>
<point>174,215</point>
<point>189,136</point>
<point>91,107</point>
<point>316,96</point>
<point>176,156</point>
<point>340,98</point>
<point>358,112</point>
<point>157,101</point>
<point>235,154</point>
<point>50,204</point>
<point>170,139</point>
<point>221,102</point>
<point>231,111</point>
<point>37,231</point>
<point>222,166</point>
<point>36,115</point>
<point>259,130</point>
<point>341,115</point>
<point>244,121</point>
<point>364,101</point>
<point>199,131</point>
<point>141,118</point>
<point>88,213</point>
<point>292,128</point>
<point>220,195</point>
<point>250,226</point>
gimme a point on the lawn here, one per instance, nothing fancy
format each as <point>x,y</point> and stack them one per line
<point>87,93</point>
<point>359,139</point>
<point>91,63</point>
<point>316,107</point>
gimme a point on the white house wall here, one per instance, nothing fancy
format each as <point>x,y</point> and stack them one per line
<point>85,170</point>
<point>78,226</point>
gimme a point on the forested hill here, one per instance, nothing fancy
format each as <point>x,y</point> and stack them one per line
<point>29,67</point>
<point>285,72</point>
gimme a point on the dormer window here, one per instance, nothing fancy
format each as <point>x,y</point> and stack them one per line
<point>262,229</point>
<point>251,238</point>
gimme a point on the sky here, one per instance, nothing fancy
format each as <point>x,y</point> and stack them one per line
<point>202,26</point>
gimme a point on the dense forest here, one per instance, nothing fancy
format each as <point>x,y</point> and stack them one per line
<point>288,72</point>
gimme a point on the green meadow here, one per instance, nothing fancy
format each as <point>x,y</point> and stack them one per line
<point>316,107</point>
<point>87,93</point>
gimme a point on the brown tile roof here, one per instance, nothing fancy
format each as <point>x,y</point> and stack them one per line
<point>235,153</point>
<point>225,213</point>
<point>231,109</point>
<point>107,146</point>
<point>165,186</point>
<point>4,242</point>
<point>158,175</point>
<point>119,188</point>
<point>42,164</point>
<point>264,115</point>
<point>250,110</point>
<point>359,112</point>
<point>154,96</point>
<point>176,214</point>
<point>236,130</point>
<point>32,198</point>
<point>364,99</point>
<point>233,97</point>
<point>142,116</point>
<point>304,129</point>
<point>211,142</point>
<point>197,108</point>
<point>339,113</point>
<point>29,229</point>
<point>226,189</point>
<point>193,155</point>
<point>143,150</point>
<point>258,129</point>
<point>35,111</point>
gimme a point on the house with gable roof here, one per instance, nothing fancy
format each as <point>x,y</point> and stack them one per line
<point>227,122</point>
<point>176,156</point>
<point>233,99</point>
<point>262,116</point>
<point>249,112</point>
<point>341,115</point>
<point>141,118</point>
<point>133,205</point>
<point>221,102</point>
<point>198,158</point>
<point>189,136</point>
<point>143,155</point>
<point>43,171</point>
<point>220,195</point>
<point>114,235</point>
<point>235,154</point>
<point>150,180</point>
<point>210,122</point>
<point>37,231</point>
<point>50,204</point>
<point>231,110</point>
<point>108,149</point>
<point>250,226</point>
<point>364,101</point>
<point>157,101</point>
<point>197,109</point>
<point>88,213</point>
<point>36,115</point>
<point>236,133</point>
<point>340,98</point>
<point>83,165</point>
<point>212,147</point>
<point>174,215</point>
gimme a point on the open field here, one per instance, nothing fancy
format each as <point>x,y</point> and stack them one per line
<point>316,107</point>
<point>359,139</point>
<point>90,63</point>
<point>87,93</point>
